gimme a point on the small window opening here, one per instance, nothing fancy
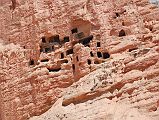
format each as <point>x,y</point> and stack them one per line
<point>43,40</point>
<point>52,47</point>
<point>65,61</point>
<point>74,30</point>
<point>96,62</point>
<point>99,54</point>
<point>123,24</point>
<point>89,62</point>
<point>62,55</point>
<point>98,44</point>
<point>73,66</point>
<point>122,33</point>
<point>54,69</point>
<point>45,60</point>
<point>91,53</point>
<point>13,4</point>
<point>56,39</point>
<point>150,28</point>
<point>31,62</point>
<point>77,58</point>
<point>117,15</point>
<point>106,55</point>
<point>130,50</point>
<point>47,50</point>
<point>87,40</point>
<point>66,39</point>
<point>70,51</point>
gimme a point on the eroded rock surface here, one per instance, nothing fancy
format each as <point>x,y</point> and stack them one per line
<point>85,59</point>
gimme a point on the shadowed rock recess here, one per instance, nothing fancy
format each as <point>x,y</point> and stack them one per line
<point>79,60</point>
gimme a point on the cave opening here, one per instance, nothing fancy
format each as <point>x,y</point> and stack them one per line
<point>70,51</point>
<point>130,50</point>
<point>47,50</point>
<point>106,55</point>
<point>151,28</point>
<point>96,62</point>
<point>117,14</point>
<point>123,23</point>
<point>91,53</point>
<point>31,62</point>
<point>43,39</point>
<point>13,4</point>
<point>65,61</point>
<point>74,30</point>
<point>98,44</point>
<point>122,33</point>
<point>77,58</point>
<point>86,40</point>
<point>99,54</point>
<point>89,61</point>
<point>62,55</point>
<point>54,69</point>
<point>45,60</point>
<point>66,39</point>
<point>73,67</point>
<point>52,47</point>
<point>56,39</point>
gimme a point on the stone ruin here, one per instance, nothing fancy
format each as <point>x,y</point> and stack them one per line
<point>67,50</point>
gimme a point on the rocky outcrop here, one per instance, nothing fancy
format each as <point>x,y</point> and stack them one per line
<point>78,56</point>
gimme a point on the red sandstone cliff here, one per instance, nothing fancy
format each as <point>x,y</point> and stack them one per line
<point>87,59</point>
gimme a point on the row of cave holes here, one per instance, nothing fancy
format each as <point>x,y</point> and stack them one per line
<point>105,55</point>
<point>70,51</point>
<point>53,39</point>
<point>99,54</point>
<point>122,32</point>
<point>89,62</point>
<point>118,15</point>
<point>74,30</point>
<point>56,39</point>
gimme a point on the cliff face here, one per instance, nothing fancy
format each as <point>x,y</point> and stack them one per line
<point>85,55</point>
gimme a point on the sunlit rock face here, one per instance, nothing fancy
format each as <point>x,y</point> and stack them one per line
<point>79,60</point>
